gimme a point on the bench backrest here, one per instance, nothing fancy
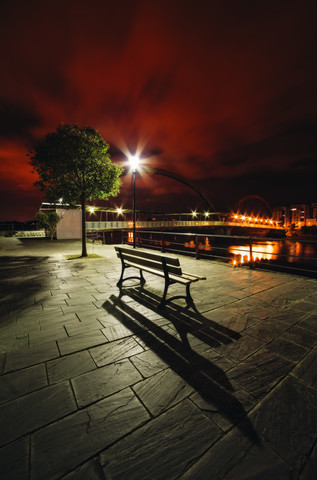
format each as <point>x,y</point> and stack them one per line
<point>150,259</point>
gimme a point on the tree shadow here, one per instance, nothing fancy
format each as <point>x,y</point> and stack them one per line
<point>209,381</point>
<point>20,279</point>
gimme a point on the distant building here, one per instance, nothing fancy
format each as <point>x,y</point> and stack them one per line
<point>281,215</point>
<point>300,215</point>
<point>69,226</point>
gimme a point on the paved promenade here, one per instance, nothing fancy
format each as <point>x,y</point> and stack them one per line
<point>98,386</point>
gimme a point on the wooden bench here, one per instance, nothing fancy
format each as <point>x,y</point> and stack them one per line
<point>164,266</point>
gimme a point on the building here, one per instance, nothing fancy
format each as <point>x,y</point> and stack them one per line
<point>281,215</point>
<point>300,215</point>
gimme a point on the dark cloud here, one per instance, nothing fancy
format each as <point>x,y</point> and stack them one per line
<point>17,121</point>
<point>222,93</point>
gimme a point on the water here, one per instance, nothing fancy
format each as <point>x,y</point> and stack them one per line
<point>275,251</point>
<point>237,251</point>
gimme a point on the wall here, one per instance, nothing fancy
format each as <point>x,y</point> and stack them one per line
<point>69,227</point>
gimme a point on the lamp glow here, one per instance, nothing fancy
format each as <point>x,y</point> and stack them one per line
<point>134,161</point>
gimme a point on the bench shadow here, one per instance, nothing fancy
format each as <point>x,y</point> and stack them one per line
<point>208,380</point>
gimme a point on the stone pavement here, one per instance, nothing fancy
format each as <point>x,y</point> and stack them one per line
<point>98,386</point>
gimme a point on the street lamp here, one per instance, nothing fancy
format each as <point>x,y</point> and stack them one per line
<point>134,163</point>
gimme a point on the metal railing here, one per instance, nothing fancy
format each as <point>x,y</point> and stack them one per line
<point>285,254</point>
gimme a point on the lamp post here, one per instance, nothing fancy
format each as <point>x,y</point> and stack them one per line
<point>134,162</point>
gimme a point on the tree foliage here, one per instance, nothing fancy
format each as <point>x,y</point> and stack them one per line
<point>73,163</point>
<point>49,221</point>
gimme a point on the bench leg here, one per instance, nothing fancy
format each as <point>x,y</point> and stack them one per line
<point>119,283</point>
<point>121,279</point>
<point>163,301</point>
<point>189,299</point>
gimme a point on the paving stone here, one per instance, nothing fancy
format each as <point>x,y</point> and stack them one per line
<point>83,327</point>
<point>162,448</point>
<point>16,384</point>
<point>104,381</point>
<point>162,391</point>
<point>109,321</point>
<point>306,370</point>
<point>266,330</point>
<point>259,373</point>
<point>287,421</point>
<point>286,349</point>
<point>237,318</point>
<point>81,342</point>
<point>13,344</point>
<point>80,300</point>
<point>32,411</point>
<point>309,322</point>
<point>69,366</point>
<point>47,335</point>
<point>301,336</point>
<point>31,356</point>
<point>91,470</point>
<point>288,316</point>
<point>58,320</point>
<point>119,331</point>
<point>14,460</point>
<point>241,348</point>
<point>148,363</point>
<point>2,362</point>
<point>225,408</point>
<point>239,455</point>
<point>114,351</point>
<point>310,468</point>
<point>66,444</point>
<point>69,309</point>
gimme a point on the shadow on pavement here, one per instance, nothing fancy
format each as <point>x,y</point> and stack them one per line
<point>21,277</point>
<point>206,378</point>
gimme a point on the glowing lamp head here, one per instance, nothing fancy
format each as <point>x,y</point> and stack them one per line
<point>194,214</point>
<point>134,161</point>
<point>119,211</point>
<point>91,209</point>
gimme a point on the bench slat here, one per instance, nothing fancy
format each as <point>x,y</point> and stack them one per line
<point>155,263</point>
<point>151,255</point>
<point>193,276</point>
<point>173,277</point>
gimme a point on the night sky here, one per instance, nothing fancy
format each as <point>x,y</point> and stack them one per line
<point>220,92</point>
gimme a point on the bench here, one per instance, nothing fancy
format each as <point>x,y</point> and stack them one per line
<point>165,266</point>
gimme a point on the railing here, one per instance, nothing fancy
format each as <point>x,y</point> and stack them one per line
<point>123,224</point>
<point>286,254</point>
<point>29,233</point>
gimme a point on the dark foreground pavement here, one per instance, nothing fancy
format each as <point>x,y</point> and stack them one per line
<point>98,386</point>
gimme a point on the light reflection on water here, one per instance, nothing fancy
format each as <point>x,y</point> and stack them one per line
<point>261,251</point>
<point>287,251</point>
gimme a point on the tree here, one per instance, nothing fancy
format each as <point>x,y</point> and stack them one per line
<point>48,221</point>
<point>73,163</point>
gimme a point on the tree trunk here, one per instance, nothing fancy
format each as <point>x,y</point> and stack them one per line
<point>83,227</point>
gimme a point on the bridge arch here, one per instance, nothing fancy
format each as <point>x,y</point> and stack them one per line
<point>166,173</point>
<point>256,197</point>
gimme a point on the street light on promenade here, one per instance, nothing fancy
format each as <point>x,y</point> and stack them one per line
<point>134,161</point>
